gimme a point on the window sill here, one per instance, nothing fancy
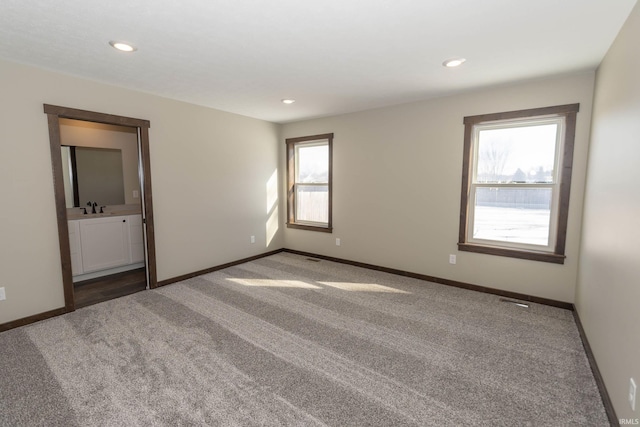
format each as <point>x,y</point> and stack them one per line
<point>512,253</point>
<point>310,227</point>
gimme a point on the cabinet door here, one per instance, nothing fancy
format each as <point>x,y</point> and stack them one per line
<point>76,249</point>
<point>105,243</point>
<point>136,238</point>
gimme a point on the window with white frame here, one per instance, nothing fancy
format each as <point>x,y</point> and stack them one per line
<point>516,183</point>
<point>309,182</point>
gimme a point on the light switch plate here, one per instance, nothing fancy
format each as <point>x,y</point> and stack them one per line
<point>632,394</point>
<point>3,295</point>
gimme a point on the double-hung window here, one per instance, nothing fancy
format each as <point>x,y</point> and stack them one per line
<point>309,182</point>
<point>516,183</point>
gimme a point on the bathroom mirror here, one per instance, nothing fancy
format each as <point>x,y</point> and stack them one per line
<point>100,163</point>
<point>92,174</point>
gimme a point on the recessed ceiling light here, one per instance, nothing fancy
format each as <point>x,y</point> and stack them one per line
<point>288,101</point>
<point>453,62</point>
<point>125,47</point>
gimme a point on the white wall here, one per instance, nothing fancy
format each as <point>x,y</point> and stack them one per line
<point>608,291</point>
<point>397,178</point>
<point>209,170</point>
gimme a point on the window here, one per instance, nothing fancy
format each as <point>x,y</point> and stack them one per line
<point>309,182</point>
<point>516,181</point>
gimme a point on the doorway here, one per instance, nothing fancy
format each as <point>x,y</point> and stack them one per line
<point>141,129</point>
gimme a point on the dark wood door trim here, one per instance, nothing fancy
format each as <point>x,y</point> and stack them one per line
<point>54,114</point>
<point>61,210</point>
<point>148,207</point>
<point>90,116</point>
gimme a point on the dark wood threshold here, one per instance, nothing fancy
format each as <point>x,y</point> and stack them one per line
<point>216,268</point>
<point>604,394</point>
<point>105,288</point>
<point>32,319</point>
<point>448,282</point>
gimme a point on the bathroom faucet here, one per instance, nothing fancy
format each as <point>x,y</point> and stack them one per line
<point>93,206</point>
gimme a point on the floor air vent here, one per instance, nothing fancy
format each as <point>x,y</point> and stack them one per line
<point>313,260</point>
<point>518,303</point>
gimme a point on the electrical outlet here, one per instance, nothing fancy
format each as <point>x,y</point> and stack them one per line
<point>337,241</point>
<point>452,259</point>
<point>136,194</point>
<point>3,295</point>
<point>253,239</point>
<point>632,394</point>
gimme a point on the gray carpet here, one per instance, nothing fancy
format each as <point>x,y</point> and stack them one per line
<point>288,341</point>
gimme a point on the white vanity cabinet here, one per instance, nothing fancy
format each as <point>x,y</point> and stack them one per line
<point>136,240</point>
<point>105,243</point>
<point>74,245</point>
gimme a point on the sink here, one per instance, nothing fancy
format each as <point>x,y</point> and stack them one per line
<point>75,216</point>
<point>90,215</point>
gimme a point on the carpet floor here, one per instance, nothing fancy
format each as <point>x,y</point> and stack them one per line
<point>286,340</point>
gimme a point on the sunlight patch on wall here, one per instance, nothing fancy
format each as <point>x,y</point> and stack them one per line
<point>270,283</point>
<point>363,287</point>
<point>272,191</point>
<point>272,226</point>
<point>272,207</point>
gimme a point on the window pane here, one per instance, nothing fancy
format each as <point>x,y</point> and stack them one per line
<point>518,154</point>
<point>313,164</point>
<point>513,215</point>
<point>312,203</point>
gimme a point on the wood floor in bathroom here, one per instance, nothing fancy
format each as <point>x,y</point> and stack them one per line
<point>101,289</point>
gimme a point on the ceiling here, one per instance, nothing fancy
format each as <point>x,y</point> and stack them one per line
<point>331,56</point>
